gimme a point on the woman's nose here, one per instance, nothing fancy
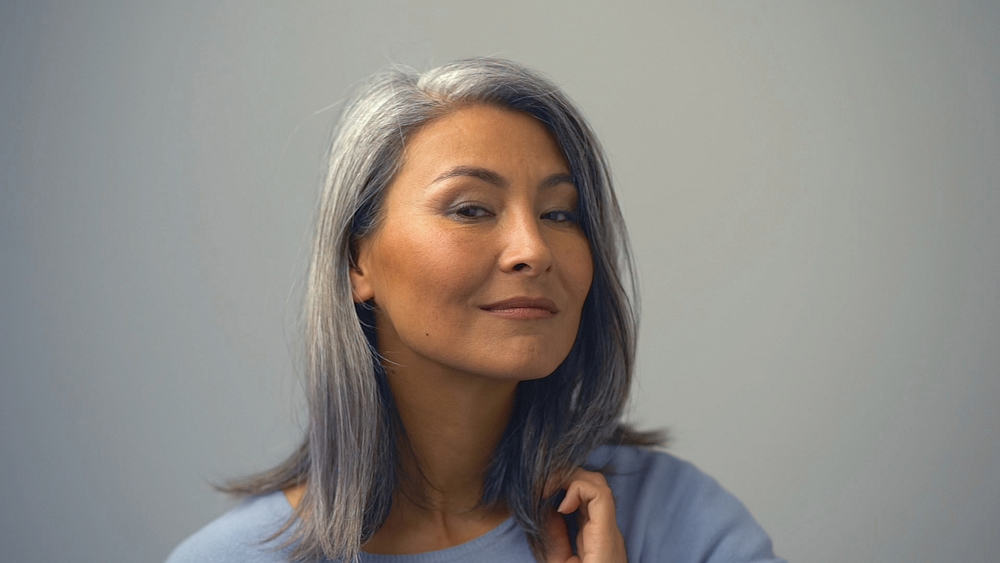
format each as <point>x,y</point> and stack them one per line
<point>525,249</point>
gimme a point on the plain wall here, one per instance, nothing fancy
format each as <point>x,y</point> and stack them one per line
<point>812,191</point>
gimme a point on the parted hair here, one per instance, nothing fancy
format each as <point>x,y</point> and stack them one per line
<point>349,457</point>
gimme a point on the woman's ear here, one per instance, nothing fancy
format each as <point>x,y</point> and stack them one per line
<point>361,280</point>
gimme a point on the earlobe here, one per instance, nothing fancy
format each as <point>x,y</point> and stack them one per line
<point>361,280</point>
<point>361,287</point>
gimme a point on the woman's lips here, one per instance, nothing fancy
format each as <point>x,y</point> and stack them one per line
<point>523,308</point>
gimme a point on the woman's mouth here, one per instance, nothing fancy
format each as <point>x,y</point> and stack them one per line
<point>523,308</point>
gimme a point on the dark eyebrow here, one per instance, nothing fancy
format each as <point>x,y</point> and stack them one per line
<point>475,172</point>
<point>556,179</point>
<point>492,177</point>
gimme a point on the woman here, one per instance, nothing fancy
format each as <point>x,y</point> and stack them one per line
<point>470,347</point>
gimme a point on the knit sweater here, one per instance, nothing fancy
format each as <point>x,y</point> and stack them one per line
<point>667,511</point>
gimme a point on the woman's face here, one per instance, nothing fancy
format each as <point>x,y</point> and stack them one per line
<point>478,264</point>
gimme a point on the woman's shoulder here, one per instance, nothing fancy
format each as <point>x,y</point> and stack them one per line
<point>649,482</point>
<point>240,535</point>
<point>668,509</point>
<point>649,470</point>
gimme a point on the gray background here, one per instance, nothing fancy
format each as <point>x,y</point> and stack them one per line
<point>812,191</point>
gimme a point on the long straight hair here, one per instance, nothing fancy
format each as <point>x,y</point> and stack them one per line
<point>349,458</point>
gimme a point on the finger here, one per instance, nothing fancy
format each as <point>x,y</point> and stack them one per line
<point>573,499</point>
<point>588,477</point>
<point>591,498</point>
<point>580,474</point>
<point>588,493</point>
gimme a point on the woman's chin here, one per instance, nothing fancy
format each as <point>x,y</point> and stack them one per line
<point>522,371</point>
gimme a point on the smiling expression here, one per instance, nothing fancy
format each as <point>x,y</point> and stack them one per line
<point>478,264</point>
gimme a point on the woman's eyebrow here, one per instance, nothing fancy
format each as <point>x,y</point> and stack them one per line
<point>492,177</point>
<point>556,179</point>
<point>483,174</point>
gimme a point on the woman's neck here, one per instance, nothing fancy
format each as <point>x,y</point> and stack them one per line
<point>453,423</point>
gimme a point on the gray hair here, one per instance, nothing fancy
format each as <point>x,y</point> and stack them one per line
<point>349,458</point>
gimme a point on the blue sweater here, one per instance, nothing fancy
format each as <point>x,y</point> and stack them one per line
<point>667,511</point>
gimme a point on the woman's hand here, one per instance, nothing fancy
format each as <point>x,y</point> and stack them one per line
<point>598,540</point>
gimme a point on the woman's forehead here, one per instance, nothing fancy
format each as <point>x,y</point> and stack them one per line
<point>486,137</point>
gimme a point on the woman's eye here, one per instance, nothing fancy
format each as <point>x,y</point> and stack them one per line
<point>560,216</point>
<point>472,212</point>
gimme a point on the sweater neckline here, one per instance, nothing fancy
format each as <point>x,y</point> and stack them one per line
<point>497,535</point>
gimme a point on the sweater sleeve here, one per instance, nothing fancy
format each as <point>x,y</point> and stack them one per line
<point>239,536</point>
<point>725,531</point>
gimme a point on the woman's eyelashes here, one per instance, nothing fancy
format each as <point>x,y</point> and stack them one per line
<point>467,211</point>
<point>561,216</point>
<point>477,211</point>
